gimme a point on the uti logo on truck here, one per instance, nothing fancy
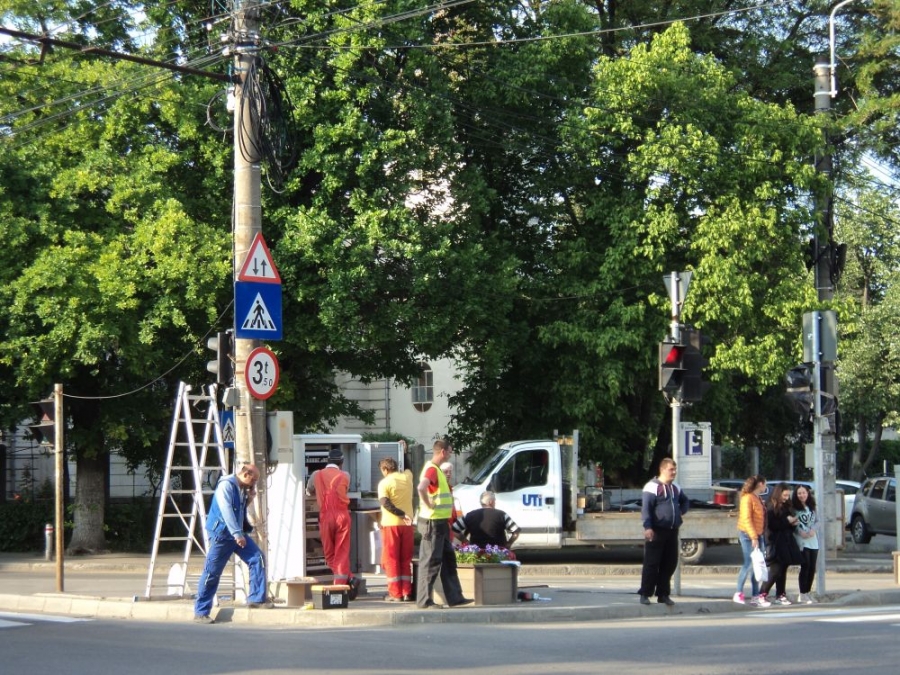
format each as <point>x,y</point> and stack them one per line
<point>532,500</point>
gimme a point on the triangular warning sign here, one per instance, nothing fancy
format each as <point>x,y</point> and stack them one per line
<point>259,318</point>
<point>258,265</point>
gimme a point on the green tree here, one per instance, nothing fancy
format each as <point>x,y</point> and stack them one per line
<point>869,364</point>
<point>117,249</point>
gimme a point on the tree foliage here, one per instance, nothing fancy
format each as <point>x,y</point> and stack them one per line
<point>500,183</point>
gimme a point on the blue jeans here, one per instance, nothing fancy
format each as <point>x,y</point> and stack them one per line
<point>221,548</point>
<point>747,567</point>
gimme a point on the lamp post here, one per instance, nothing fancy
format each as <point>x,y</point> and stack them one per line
<point>832,62</point>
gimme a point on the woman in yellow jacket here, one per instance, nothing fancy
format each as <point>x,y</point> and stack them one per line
<point>752,535</point>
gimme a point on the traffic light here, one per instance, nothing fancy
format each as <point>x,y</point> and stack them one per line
<point>671,366</point>
<point>799,391</point>
<point>223,345</point>
<point>44,431</point>
<point>692,385</point>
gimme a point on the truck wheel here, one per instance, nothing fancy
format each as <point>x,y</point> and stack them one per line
<point>859,531</point>
<point>692,551</point>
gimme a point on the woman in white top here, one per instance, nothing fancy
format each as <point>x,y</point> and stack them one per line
<point>806,533</point>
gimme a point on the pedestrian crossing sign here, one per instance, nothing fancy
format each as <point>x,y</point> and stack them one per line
<point>228,432</point>
<point>257,311</point>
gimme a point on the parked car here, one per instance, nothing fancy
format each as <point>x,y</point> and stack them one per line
<point>874,509</point>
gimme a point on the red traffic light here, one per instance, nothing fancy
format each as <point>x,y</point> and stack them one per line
<point>671,366</point>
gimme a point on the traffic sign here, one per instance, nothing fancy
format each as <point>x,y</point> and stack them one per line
<point>257,311</point>
<point>262,373</point>
<point>226,419</point>
<point>259,266</point>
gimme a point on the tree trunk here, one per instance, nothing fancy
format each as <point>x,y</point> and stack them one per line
<point>862,436</point>
<point>876,446</point>
<point>90,497</point>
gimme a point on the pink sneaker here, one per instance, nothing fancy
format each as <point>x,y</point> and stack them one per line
<point>738,598</point>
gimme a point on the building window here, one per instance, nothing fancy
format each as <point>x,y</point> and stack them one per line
<point>423,389</point>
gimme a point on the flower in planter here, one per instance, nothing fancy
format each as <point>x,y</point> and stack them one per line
<point>470,554</point>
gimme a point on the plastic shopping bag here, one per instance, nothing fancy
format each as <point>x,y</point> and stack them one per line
<point>760,570</point>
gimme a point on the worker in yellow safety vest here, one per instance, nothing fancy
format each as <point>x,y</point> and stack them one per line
<point>436,554</point>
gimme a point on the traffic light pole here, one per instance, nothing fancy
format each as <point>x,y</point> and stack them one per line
<point>824,440</point>
<point>677,286</point>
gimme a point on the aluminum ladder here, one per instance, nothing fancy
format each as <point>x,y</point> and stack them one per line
<point>195,461</point>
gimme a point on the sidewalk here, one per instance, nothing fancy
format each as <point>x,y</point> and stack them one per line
<point>113,586</point>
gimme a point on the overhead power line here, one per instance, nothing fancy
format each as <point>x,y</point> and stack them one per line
<point>45,42</point>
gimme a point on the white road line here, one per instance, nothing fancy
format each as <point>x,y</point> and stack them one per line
<point>52,618</point>
<point>838,615</point>
<point>12,624</point>
<point>862,619</point>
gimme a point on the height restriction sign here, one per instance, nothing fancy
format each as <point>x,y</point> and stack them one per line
<point>261,373</point>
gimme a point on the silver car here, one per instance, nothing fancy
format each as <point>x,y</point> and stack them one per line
<point>874,510</point>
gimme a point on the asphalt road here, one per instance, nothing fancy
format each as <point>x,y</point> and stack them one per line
<point>798,641</point>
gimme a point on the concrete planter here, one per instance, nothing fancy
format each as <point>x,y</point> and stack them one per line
<point>489,583</point>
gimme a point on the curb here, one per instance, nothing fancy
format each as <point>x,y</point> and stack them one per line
<point>181,611</point>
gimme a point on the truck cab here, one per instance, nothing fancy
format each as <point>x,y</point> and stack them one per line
<point>527,478</point>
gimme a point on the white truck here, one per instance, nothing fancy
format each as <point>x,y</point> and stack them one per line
<point>537,484</point>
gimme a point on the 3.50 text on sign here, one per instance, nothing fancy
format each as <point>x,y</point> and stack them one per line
<point>262,373</point>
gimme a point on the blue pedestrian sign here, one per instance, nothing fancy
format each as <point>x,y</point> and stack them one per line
<point>257,311</point>
<point>226,419</point>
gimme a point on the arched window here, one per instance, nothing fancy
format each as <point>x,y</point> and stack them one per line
<point>423,389</point>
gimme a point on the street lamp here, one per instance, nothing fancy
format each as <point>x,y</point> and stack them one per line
<point>832,63</point>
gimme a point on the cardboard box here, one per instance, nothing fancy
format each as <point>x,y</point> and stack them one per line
<point>330,597</point>
<point>294,592</point>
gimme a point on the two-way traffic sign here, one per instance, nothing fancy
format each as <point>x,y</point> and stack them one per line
<point>259,266</point>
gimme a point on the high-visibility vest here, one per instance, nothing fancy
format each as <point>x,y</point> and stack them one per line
<point>442,500</point>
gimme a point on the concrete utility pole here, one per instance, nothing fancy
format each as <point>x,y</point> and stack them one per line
<point>250,413</point>
<point>824,380</point>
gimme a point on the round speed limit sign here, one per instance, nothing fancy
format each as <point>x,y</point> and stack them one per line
<point>261,373</point>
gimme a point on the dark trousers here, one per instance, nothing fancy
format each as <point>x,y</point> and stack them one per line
<point>437,558</point>
<point>777,578</point>
<point>660,561</point>
<point>807,569</point>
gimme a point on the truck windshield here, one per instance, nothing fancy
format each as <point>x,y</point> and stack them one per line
<point>488,468</point>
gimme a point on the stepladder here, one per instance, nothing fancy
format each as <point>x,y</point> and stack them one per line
<point>196,459</point>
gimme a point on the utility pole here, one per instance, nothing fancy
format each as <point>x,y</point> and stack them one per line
<point>250,413</point>
<point>824,380</point>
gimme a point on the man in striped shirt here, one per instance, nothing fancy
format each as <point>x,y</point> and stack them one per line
<point>487,525</point>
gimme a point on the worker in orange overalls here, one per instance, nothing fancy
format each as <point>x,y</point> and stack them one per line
<point>330,485</point>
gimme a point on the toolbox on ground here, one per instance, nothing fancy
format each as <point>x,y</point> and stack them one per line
<point>330,597</point>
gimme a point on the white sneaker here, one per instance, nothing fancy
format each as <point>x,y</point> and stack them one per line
<point>782,600</point>
<point>803,599</point>
<point>738,598</point>
<point>760,601</point>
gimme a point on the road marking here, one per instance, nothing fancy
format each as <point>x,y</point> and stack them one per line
<point>12,624</point>
<point>834,615</point>
<point>862,619</point>
<point>51,618</point>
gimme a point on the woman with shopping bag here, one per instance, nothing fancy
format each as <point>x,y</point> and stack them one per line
<point>781,548</point>
<point>751,534</point>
